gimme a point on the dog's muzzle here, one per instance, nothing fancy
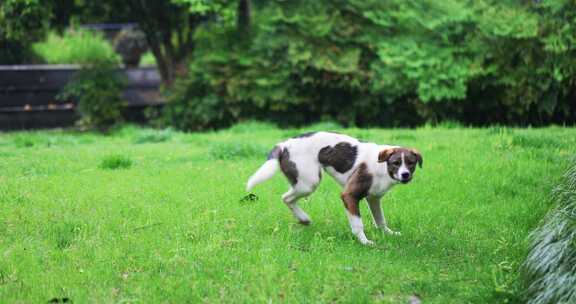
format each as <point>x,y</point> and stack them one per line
<point>405,178</point>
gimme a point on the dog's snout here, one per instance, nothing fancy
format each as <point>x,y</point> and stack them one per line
<point>405,175</point>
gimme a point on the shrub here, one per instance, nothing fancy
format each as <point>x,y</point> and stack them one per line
<point>116,161</point>
<point>385,63</point>
<point>75,46</point>
<point>98,89</point>
<point>550,266</point>
<point>98,86</point>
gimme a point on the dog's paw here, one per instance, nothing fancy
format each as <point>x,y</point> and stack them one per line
<point>305,222</point>
<point>391,232</point>
<point>367,242</point>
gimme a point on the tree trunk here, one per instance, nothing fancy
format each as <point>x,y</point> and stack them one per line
<point>243,23</point>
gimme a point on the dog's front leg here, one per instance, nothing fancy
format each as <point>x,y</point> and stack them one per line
<point>379,219</point>
<point>353,212</point>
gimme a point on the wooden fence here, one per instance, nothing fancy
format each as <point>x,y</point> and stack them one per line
<point>28,95</point>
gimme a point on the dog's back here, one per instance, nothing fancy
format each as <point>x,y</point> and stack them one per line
<point>303,157</point>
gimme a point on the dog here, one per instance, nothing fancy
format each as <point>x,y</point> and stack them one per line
<point>364,170</point>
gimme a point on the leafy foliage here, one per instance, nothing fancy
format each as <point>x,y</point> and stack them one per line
<point>21,22</point>
<point>98,90</point>
<point>75,47</point>
<point>98,86</point>
<point>380,62</point>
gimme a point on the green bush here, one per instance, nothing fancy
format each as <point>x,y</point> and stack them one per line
<point>98,86</point>
<point>75,47</point>
<point>550,266</point>
<point>386,63</point>
<point>98,89</point>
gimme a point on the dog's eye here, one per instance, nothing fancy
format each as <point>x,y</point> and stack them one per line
<point>397,163</point>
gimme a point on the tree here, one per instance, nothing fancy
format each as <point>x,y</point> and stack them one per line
<point>373,62</point>
<point>169,27</point>
<point>21,22</point>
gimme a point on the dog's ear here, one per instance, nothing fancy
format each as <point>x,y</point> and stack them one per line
<point>385,154</point>
<point>418,157</point>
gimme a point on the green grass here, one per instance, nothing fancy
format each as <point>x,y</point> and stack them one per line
<point>171,228</point>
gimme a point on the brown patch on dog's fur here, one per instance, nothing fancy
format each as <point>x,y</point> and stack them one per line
<point>418,157</point>
<point>385,154</point>
<point>275,153</point>
<point>341,157</point>
<point>357,188</point>
<point>288,167</point>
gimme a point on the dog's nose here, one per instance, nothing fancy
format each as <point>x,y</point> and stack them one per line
<point>405,175</point>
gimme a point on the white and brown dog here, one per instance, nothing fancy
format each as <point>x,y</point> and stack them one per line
<point>364,170</point>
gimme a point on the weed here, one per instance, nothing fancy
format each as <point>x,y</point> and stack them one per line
<point>237,150</point>
<point>65,234</point>
<point>25,141</point>
<point>153,136</point>
<point>116,161</point>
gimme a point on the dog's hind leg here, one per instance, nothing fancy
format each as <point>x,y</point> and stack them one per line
<point>290,198</point>
<point>308,180</point>
<point>304,177</point>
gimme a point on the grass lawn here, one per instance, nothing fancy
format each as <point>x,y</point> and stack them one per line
<point>155,216</point>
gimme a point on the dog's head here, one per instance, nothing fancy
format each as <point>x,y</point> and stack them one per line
<point>401,162</point>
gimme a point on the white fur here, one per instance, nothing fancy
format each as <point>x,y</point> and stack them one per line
<point>304,151</point>
<point>265,172</point>
<point>358,228</point>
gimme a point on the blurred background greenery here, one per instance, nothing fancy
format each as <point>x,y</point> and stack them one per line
<point>357,62</point>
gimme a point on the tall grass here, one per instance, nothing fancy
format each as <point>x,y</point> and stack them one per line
<point>551,264</point>
<point>75,47</point>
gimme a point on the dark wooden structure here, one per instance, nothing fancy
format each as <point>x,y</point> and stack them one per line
<point>28,95</point>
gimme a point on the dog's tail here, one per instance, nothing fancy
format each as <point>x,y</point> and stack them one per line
<point>266,171</point>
